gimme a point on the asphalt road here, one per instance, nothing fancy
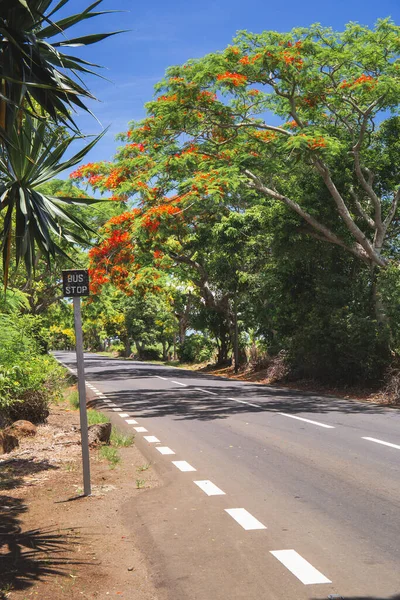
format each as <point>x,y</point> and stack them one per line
<point>282,496</point>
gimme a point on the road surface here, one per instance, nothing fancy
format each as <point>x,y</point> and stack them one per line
<point>267,494</point>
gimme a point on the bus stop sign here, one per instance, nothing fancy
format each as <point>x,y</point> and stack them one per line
<point>75,283</point>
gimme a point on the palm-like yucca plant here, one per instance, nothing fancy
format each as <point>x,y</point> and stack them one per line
<point>31,157</point>
<point>38,82</point>
<point>33,69</point>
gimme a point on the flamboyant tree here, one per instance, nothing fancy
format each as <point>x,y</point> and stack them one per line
<point>267,109</point>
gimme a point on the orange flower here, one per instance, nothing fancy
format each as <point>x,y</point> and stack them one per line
<point>235,78</point>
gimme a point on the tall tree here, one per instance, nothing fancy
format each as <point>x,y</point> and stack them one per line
<point>273,106</point>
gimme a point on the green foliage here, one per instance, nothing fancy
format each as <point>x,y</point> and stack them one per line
<point>111,454</point>
<point>73,399</point>
<point>33,68</point>
<point>291,223</point>
<point>28,380</point>
<point>95,417</point>
<point>196,349</point>
<point>32,218</point>
<point>120,440</point>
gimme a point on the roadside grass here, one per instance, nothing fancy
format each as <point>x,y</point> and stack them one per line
<point>72,398</point>
<point>95,417</point>
<point>140,483</point>
<point>120,440</point>
<point>117,439</point>
<point>144,467</point>
<point>111,454</point>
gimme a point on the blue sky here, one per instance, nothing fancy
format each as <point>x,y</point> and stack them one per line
<point>166,32</point>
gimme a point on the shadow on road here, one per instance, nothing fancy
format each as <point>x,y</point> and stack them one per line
<point>190,403</point>
<point>154,398</point>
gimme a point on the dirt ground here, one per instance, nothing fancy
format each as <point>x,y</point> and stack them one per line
<point>56,544</point>
<point>363,394</point>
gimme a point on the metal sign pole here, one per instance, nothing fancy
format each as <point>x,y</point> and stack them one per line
<point>82,396</point>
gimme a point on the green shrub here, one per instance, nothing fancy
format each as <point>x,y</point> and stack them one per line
<point>95,417</point>
<point>29,380</point>
<point>196,348</point>
<point>73,399</point>
<point>111,454</point>
<point>120,440</point>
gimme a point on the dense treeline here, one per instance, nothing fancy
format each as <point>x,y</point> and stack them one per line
<point>256,203</point>
<point>261,194</point>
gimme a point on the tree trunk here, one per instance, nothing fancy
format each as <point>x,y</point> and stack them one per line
<point>377,301</point>
<point>127,346</point>
<point>224,345</point>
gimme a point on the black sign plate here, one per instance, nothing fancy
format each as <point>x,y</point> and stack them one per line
<point>75,283</point>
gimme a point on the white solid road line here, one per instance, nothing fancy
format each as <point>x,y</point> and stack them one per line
<point>244,518</point>
<point>131,421</point>
<point>209,488</point>
<point>182,465</point>
<point>382,442</point>
<point>206,391</point>
<point>243,402</point>
<point>152,439</point>
<point>164,450</point>
<point>140,429</point>
<point>178,382</point>
<point>123,415</point>
<point>307,421</point>
<point>163,378</point>
<point>300,567</point>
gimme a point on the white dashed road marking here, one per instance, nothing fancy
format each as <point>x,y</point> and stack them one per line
<point>307,421</point>
<point>117,409</point>
<point>123,415</point>
<point>164,450</point>
<point>209,488</point>
<point>182,465</point>
<point>140,429</point>
<point>206,391</point>
<point>163,378</point>
<point>300,567</point>
<point>243,402</point>
<point>131,421</point>
<point>382,442</point>
<point>179,383</point>
<point>152,439</point>
<point>112,404</point>
<point>244,518</point>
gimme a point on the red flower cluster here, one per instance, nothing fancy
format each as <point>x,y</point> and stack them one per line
<point>292,59</point>
<point>114,179</point>
<point>266,136</point>
<point>171,98</point>
<point>363,79</point>
<point>205,95</point>
<point>315,143</point>
<point>88,170</point>
<point>140,147</point>
<point>235,78</point>
<point>94,179</point>
<point>152,219</point>
<point>246,60</point>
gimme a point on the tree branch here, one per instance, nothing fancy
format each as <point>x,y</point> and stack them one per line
<point>327,234</point>
<point>361,211</point>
